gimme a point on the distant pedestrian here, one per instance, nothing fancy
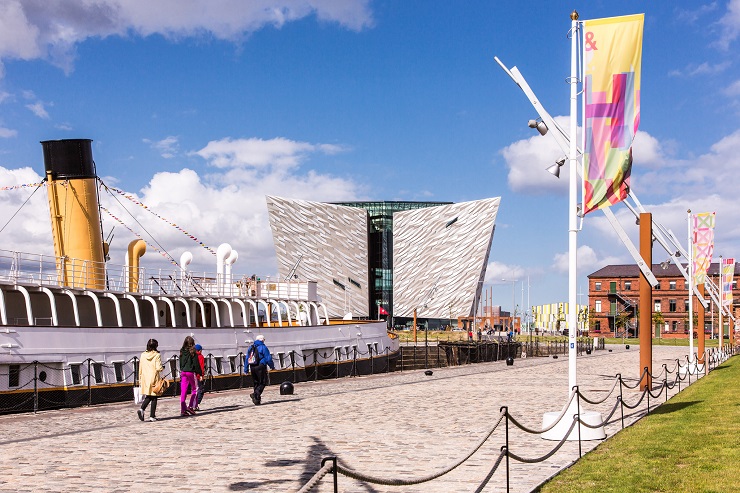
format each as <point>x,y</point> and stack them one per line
<point>257,360</point>
<point>189,368</point>
<point>150,367</point>
<point>201,377</point>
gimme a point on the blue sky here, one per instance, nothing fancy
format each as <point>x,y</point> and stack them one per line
<point>201,109</point>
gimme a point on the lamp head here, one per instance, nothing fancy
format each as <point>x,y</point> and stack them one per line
<point>539,125</point>
<point>555,168</point>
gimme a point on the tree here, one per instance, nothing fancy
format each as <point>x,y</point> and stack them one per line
<point>658,321</point>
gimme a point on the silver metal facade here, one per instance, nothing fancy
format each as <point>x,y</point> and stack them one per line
<point>331,243</point>
<point>440,256</point>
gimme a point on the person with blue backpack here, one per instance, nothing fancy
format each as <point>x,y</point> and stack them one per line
<point>257,360</point>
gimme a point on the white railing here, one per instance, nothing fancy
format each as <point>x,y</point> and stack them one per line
<point>50,271</point>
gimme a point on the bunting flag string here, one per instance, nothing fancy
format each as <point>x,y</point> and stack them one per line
<point>164,254</point>
<point>144,206</point>
<point>25,185</point>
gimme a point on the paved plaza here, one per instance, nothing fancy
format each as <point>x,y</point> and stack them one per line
<point>394,426</point>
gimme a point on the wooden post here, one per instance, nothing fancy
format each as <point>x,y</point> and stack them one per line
<point>414,325</point>
<point>700,322</point>
<point>646,301</point>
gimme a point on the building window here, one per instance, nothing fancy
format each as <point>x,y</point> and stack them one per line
<point>597,286</point>
<point>219,366</point>
<point>76,375</point>
<point>628,285</point>
<point>14,375</point>
<point>98,372</point>
<point>597,306</point>
<point>674,325</point>
<point>597,326</point>
<point>657,306</point>
<point>686,304</point>
<point>118,369</point>
<point>671,306</point>
<point>232,364</point>
<point>672,285</point>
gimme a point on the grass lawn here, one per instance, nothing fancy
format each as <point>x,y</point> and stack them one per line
<point>690,443</point>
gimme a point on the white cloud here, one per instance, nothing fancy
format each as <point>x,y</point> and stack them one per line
<point>38,109</point>
<point>733,89</point>
<point>730,24</point>
<point>51,29</point>
<point>705,68</point>
<point>6,133</point>
<point>167,147</point>
<point>528,159</point>
<point>259,153</point>
<point>499,273</point>
<point>4,96</point>
<point>587,260</point>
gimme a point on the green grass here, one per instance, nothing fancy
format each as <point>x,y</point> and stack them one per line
<point>689,444</point>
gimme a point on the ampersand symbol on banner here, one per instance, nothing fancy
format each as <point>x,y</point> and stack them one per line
<point>590,43</point>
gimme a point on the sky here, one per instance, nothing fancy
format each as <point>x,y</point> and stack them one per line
<point>200,109</point>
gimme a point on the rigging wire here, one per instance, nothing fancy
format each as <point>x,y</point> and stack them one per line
<point>162,249</point>
<point>148,209</point>
<point>22,205</point>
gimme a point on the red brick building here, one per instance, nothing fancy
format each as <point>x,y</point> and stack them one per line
<point>614,297</point>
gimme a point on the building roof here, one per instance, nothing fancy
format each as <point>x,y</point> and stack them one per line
<point>631,270</point>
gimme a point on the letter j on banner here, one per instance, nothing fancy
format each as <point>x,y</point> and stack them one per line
<point>612,58</point>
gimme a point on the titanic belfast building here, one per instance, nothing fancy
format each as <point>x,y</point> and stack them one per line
<point>384,259</point>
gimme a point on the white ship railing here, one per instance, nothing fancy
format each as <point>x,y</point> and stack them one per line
<point>50,271</point>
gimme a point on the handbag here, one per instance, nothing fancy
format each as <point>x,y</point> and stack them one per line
<point>137,395</point>
<point>160,386</point>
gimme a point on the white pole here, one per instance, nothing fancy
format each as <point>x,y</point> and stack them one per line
<point>691,290</point>
<point>572,207</point>
<point>721,330</point>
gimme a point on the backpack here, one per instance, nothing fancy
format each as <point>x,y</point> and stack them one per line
<point>253,356</point>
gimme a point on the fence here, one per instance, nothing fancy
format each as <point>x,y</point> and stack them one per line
<point>669,379</point>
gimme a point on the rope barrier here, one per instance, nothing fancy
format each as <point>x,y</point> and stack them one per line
<point>491,472</point>
<point>595,402</point>
<point>316,478</point>
<point>544,430</point>
<point>551,452</point>
<point>408,482</point>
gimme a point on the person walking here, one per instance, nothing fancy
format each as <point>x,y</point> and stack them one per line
<point>258,359</point>
<point>189,368</point>
<point>150,367</point>
<point>201,377</point>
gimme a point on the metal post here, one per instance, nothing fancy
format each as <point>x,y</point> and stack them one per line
<point>35,387</point>
<point>89,392</point>
<point>333,470</point>
<point>646,299</point>
<point>621,400</point>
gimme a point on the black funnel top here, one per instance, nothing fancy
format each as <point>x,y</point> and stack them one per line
<point>69,158</point>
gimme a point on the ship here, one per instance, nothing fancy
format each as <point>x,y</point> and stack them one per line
<point>73,325</point>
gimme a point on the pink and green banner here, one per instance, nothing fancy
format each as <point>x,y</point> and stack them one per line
<point>703,240</point>
<point>728,269</point>
<point>612,58</point>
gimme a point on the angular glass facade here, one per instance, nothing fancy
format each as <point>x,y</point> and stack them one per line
<point>380,248</point>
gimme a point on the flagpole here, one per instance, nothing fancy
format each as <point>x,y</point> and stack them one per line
<point>721,331</point>
<point>691,289</point>
<point>572,206</point>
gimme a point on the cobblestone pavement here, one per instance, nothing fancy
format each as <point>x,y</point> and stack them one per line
<point>394,426</point>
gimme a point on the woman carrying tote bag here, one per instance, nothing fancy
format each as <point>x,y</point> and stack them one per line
<point>150,367</point>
